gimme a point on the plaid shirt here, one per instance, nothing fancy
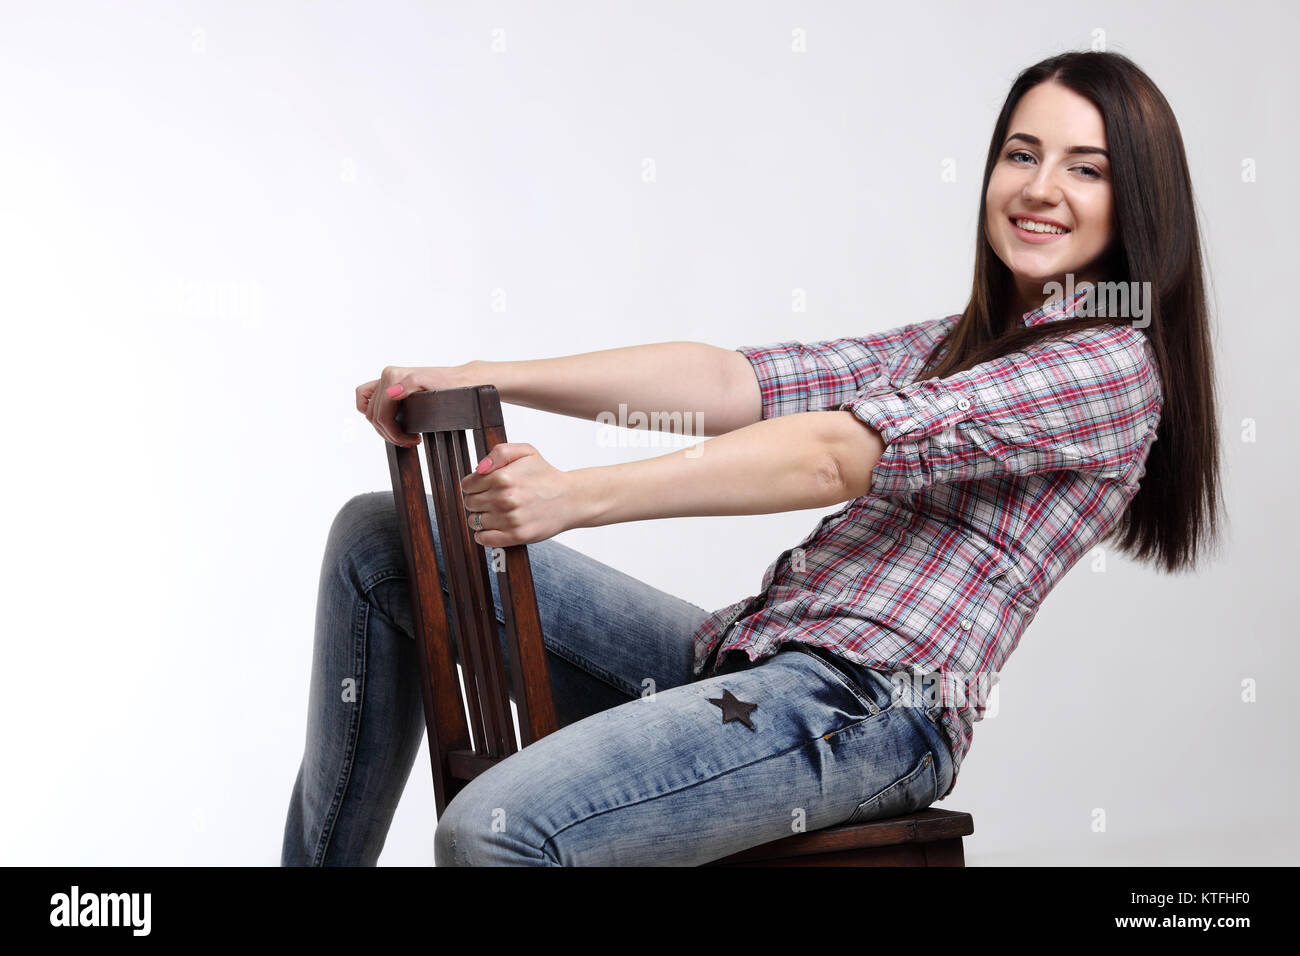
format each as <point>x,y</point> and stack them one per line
<point>994,482</point>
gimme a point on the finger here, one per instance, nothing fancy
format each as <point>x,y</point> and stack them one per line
<point>387,377</point>
<point>503,454</point>
<point>372,402</point>
<point>394,394</point>
<point>363,394</point>
<point>481,501</point>
<point>478,475</point>
<point>493,539</point>
<point>382,412</point>
<point>378,415</point>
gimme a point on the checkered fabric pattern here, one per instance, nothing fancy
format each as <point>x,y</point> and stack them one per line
<point>993,483</point>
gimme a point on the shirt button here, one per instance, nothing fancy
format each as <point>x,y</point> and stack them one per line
<point>965,624</point>
<point>963,404</point>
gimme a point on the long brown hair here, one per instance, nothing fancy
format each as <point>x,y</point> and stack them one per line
<point>1175,511</point>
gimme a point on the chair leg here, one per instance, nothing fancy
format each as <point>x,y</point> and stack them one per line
<point>945,853</point>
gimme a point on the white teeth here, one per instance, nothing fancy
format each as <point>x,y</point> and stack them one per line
<point>1030,226</point>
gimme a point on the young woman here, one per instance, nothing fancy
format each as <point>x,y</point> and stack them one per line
<point>979,456</point>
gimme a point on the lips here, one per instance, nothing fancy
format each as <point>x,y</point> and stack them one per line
<point>1031,238</point>
<point>1037,219</point>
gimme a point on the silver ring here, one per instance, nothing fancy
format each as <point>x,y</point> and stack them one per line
<point>476,520</point>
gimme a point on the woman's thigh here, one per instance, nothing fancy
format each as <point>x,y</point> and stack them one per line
<point>670,780</point>
<point>609,637</point>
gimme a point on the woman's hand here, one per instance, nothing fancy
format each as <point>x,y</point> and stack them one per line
<point>378,400</point>
<point>520,497</point>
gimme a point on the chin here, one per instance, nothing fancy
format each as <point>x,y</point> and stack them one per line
<point>1037,272</point>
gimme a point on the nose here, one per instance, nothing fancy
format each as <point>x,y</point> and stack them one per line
<point>1041,189</point>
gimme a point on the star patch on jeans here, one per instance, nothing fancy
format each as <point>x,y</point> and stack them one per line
<point>733,708</point>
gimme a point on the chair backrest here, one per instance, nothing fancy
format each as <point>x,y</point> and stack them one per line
<point>459,752</point>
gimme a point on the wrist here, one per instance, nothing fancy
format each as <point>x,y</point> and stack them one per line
<point>471,373</point>
<point>589,490</point>
<point>479,372</point>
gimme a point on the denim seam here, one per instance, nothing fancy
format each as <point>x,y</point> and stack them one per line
<point>359,639</point>
<point>918,770</point>
<point>379,577</point>
<point>894,700</point>
<point>579,661</point>
<point>812,742</point>
<point>849,685</point>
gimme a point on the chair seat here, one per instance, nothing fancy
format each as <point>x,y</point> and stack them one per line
<point>929,837</point>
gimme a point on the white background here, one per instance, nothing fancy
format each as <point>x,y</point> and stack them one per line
<point>216,219</point>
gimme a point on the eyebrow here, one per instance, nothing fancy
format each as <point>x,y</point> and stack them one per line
<point>1035,141</point>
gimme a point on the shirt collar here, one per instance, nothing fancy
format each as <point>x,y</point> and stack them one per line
<point>1062,308</point>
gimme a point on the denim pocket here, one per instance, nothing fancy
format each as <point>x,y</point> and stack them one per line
<point>893,689</point>
<point>877,692</point>
<point>915,790</point>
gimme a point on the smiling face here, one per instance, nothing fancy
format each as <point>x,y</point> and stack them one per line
<point>1052,168</point>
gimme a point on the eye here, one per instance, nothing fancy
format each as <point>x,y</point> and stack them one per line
<point>1091,172</point>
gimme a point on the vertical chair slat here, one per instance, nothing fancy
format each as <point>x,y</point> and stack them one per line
<point>443,715</point>
<point>493,671</point>
<point>454,536</point>
<point>532,682</point>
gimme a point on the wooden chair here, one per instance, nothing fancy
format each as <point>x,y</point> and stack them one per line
<point>459,751</point>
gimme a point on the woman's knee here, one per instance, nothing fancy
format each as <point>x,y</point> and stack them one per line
<point>364,535</point>
<point>484,825</point>
<point>366,529</point>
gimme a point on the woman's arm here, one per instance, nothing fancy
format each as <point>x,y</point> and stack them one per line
<point>778,464</point>
<point>718,386</point>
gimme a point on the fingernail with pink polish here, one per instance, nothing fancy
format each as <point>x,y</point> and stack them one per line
<point>393,391</point>
<point>483,465</point>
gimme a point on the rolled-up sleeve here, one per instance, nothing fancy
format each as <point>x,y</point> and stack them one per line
<point>796,377</point>
<point>1086,401</point>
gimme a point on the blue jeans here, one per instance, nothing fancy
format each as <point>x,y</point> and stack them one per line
<point>643,770</point>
